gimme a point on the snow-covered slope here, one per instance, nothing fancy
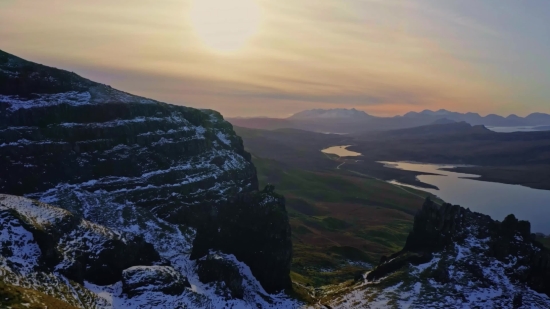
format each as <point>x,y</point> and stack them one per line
<point>59,132</point>
<point>130,180</point>
<point>24,254</point>
<point>455,258</point>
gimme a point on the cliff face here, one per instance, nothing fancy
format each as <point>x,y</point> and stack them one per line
<point>153,170</point>
<point>54,239</point>
<point>510,241</point>
<point>255,228</point>
<point>59,131</point>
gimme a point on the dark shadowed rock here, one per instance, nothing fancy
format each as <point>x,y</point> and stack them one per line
<point>59,130</point>
<point>214,268</point>
<point>255,228</point>
<point>141,279</point>
<point>106,266</point>
<point>114,158</point>
<point>437,228</point>
<point>80,250</point>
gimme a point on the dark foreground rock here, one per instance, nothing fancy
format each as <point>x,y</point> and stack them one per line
<point>79,249</point>
<point>123,161</point>
<point>213,268</point>
<point>143,279</point>
<point>440,229</point>
<point>254,227</point>
<point>61,133</point>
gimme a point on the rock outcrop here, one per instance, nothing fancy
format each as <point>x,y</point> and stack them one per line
<point>255,228</point>
<point>151,174</point>
<point>213,268</point>
<point>439,229</point>
<point>60,131</point>
<point>143,279</point>
<point>37,236</point>
<point>436,226</point>
<point>455,258</point>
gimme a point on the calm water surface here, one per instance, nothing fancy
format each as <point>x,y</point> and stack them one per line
<point>494,199</point>
<point>519,129</point>
<point>341,151</point>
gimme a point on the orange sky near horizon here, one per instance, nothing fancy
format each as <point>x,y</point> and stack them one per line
<point>277,57</point>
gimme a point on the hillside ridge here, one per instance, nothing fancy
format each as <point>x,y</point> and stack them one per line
<point>453,258</point>
<point>148,169</point>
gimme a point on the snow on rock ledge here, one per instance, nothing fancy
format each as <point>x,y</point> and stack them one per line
<point>78,249</point>
<point>63,137</point>
<point>143,279</point>
<point>456,258</point>
<point>139,172</point>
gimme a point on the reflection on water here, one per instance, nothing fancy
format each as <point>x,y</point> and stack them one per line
<point>519,129</point>
<point>341,151</point>
<point>494,199</point>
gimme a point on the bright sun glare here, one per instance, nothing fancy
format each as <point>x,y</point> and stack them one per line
<point>225,25</point>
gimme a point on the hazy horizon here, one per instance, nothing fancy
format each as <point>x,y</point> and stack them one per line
<point>401,114</point>
<point>274,58</point>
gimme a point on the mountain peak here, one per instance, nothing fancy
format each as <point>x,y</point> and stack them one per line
<point>137,167</point>
<point>25,84</point>
<point>476,119</point>
<point>444,121</point>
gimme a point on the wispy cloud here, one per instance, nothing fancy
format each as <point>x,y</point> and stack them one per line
<point>383,56</point>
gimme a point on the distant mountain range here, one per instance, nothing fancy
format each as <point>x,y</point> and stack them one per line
<point>352,120</point>
<point>534,119</point>
<point>337,113</point>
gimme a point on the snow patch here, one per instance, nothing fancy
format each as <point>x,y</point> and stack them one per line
<point>72,98</point>
<point>223,138</point>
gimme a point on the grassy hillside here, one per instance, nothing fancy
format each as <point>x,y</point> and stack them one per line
<point>343,217</point>
<point>544,239</point>
<point>341,222</point>
<point>16,297</point>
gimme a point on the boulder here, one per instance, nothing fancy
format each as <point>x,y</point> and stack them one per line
<point>141,279</point>
<point>435,226</point>
<point>214,268</point>
<point>77,248</point>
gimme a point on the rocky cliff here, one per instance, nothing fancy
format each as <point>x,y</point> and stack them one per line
<point>61,133</point>
<point>152,170</point>
<point>255,228</point>
<point>37,238</point>
<point>456,258</point>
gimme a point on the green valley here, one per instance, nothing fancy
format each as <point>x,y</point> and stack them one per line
<point>342,222</point>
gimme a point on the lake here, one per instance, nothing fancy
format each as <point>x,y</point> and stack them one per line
<point>519,129</point>
<point>341,151</point>
<point>494,199</point>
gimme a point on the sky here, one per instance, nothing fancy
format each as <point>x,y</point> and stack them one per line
<point>277,57</point>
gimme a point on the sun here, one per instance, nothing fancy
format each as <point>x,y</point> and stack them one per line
<point>225,25</point>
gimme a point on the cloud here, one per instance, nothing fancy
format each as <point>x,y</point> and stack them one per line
<point>379,55</point>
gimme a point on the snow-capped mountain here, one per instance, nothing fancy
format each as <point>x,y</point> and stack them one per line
<point>355,121</point>
<point>534,119</point>
<point>427,112</point>
<point>145,200</point>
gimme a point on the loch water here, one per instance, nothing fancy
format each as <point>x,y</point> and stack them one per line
<point>494,199</point>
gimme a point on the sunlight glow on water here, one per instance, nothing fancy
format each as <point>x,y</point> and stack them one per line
<point>341,151</point>
<point>519,129</point>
